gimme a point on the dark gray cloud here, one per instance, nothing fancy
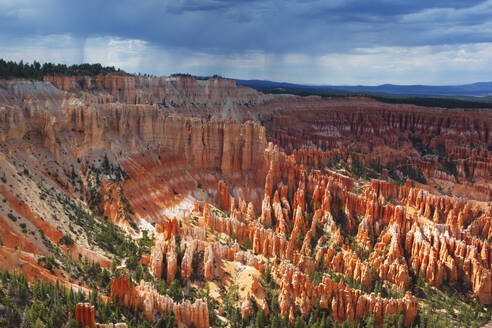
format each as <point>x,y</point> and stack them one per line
<point>272,26</point>
<point>306,41</point>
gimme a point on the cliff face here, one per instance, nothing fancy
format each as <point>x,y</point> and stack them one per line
<point>85,316</point>
<point>126,114</point>
<point>234,186</point>
<point>334,123</point>
<point>161,151</point>
<point>216,144</point>
<point>167,91</point>
<point>417,229</point>
<point>345,303</point>
<point>390,135</point>
<point>148,300</point>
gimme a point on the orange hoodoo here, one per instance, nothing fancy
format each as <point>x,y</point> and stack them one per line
<point>84,314</point>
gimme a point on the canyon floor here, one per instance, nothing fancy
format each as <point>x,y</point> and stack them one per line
<point>133,201</point>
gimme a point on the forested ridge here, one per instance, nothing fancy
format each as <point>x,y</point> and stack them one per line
<point>36,70</point>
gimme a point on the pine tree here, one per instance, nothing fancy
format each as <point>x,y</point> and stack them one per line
<point>275,321</point>
<point>72,323</point>
<point>299,323</point>
<point>311,320</point>
<point>39,324</point>
<point>323,321</point>
<point>260,319</point>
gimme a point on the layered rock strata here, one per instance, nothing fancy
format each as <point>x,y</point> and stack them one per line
<point>84,314</point>
<point>179,143</point>
<point>344,303</point>
<point>148,300</point>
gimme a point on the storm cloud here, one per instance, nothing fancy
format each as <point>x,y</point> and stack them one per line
<point>308,41</point>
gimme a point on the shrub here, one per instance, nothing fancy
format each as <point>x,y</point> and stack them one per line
<point>66,240</point>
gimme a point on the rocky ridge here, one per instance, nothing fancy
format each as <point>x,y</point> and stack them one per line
<point>229,181</point>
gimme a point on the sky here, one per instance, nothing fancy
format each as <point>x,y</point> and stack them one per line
<point>353,42</point>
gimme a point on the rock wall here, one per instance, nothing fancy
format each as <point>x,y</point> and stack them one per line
<point>148,300</point>
<point>178,91</point>
<point>264,161</point>
<point>202,259</point>
<point>337,122</point>
<point>394,227</point>
<point>84,314</point>
<point>344,302</point>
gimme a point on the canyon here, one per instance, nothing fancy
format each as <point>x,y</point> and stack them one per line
<point>293,205</point>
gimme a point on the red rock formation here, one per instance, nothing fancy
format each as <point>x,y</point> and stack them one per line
<point>281,213</point>
<point>111,205</point>
<point>247,308</point>
<point>347,263</point>
<point>172,261</point>
<point>379,219</point>
<point>266,212</point>
<point>482,226</point>
<point>147,299</point>
<point>431,206</point>
<point>223,196</point>
<point>291,122</point>
<point>14,240</point>
<point>388,256</point>
<point>187,261</point>
<point>312,216</point>
<point>448,259</point>
<point>157,256</point>
<point>200,257</point>
<point>25,210</point>
<point>149,90</point>
<point>168,228</point>
<point>84,314</point>
<point>209,267</point>
<point>163,258</point>
<point>345,303</point>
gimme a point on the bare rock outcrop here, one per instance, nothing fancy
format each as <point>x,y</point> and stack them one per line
<point>147,299</point>
<point>85,316</point>
<point>344,302</point>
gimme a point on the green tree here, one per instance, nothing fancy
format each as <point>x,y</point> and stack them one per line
<point>260,319</point>
<point>275,321</point>
<point>72,323</point>
<point>299,323</point>
<point>175,291</point>
<point>39,324</point>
